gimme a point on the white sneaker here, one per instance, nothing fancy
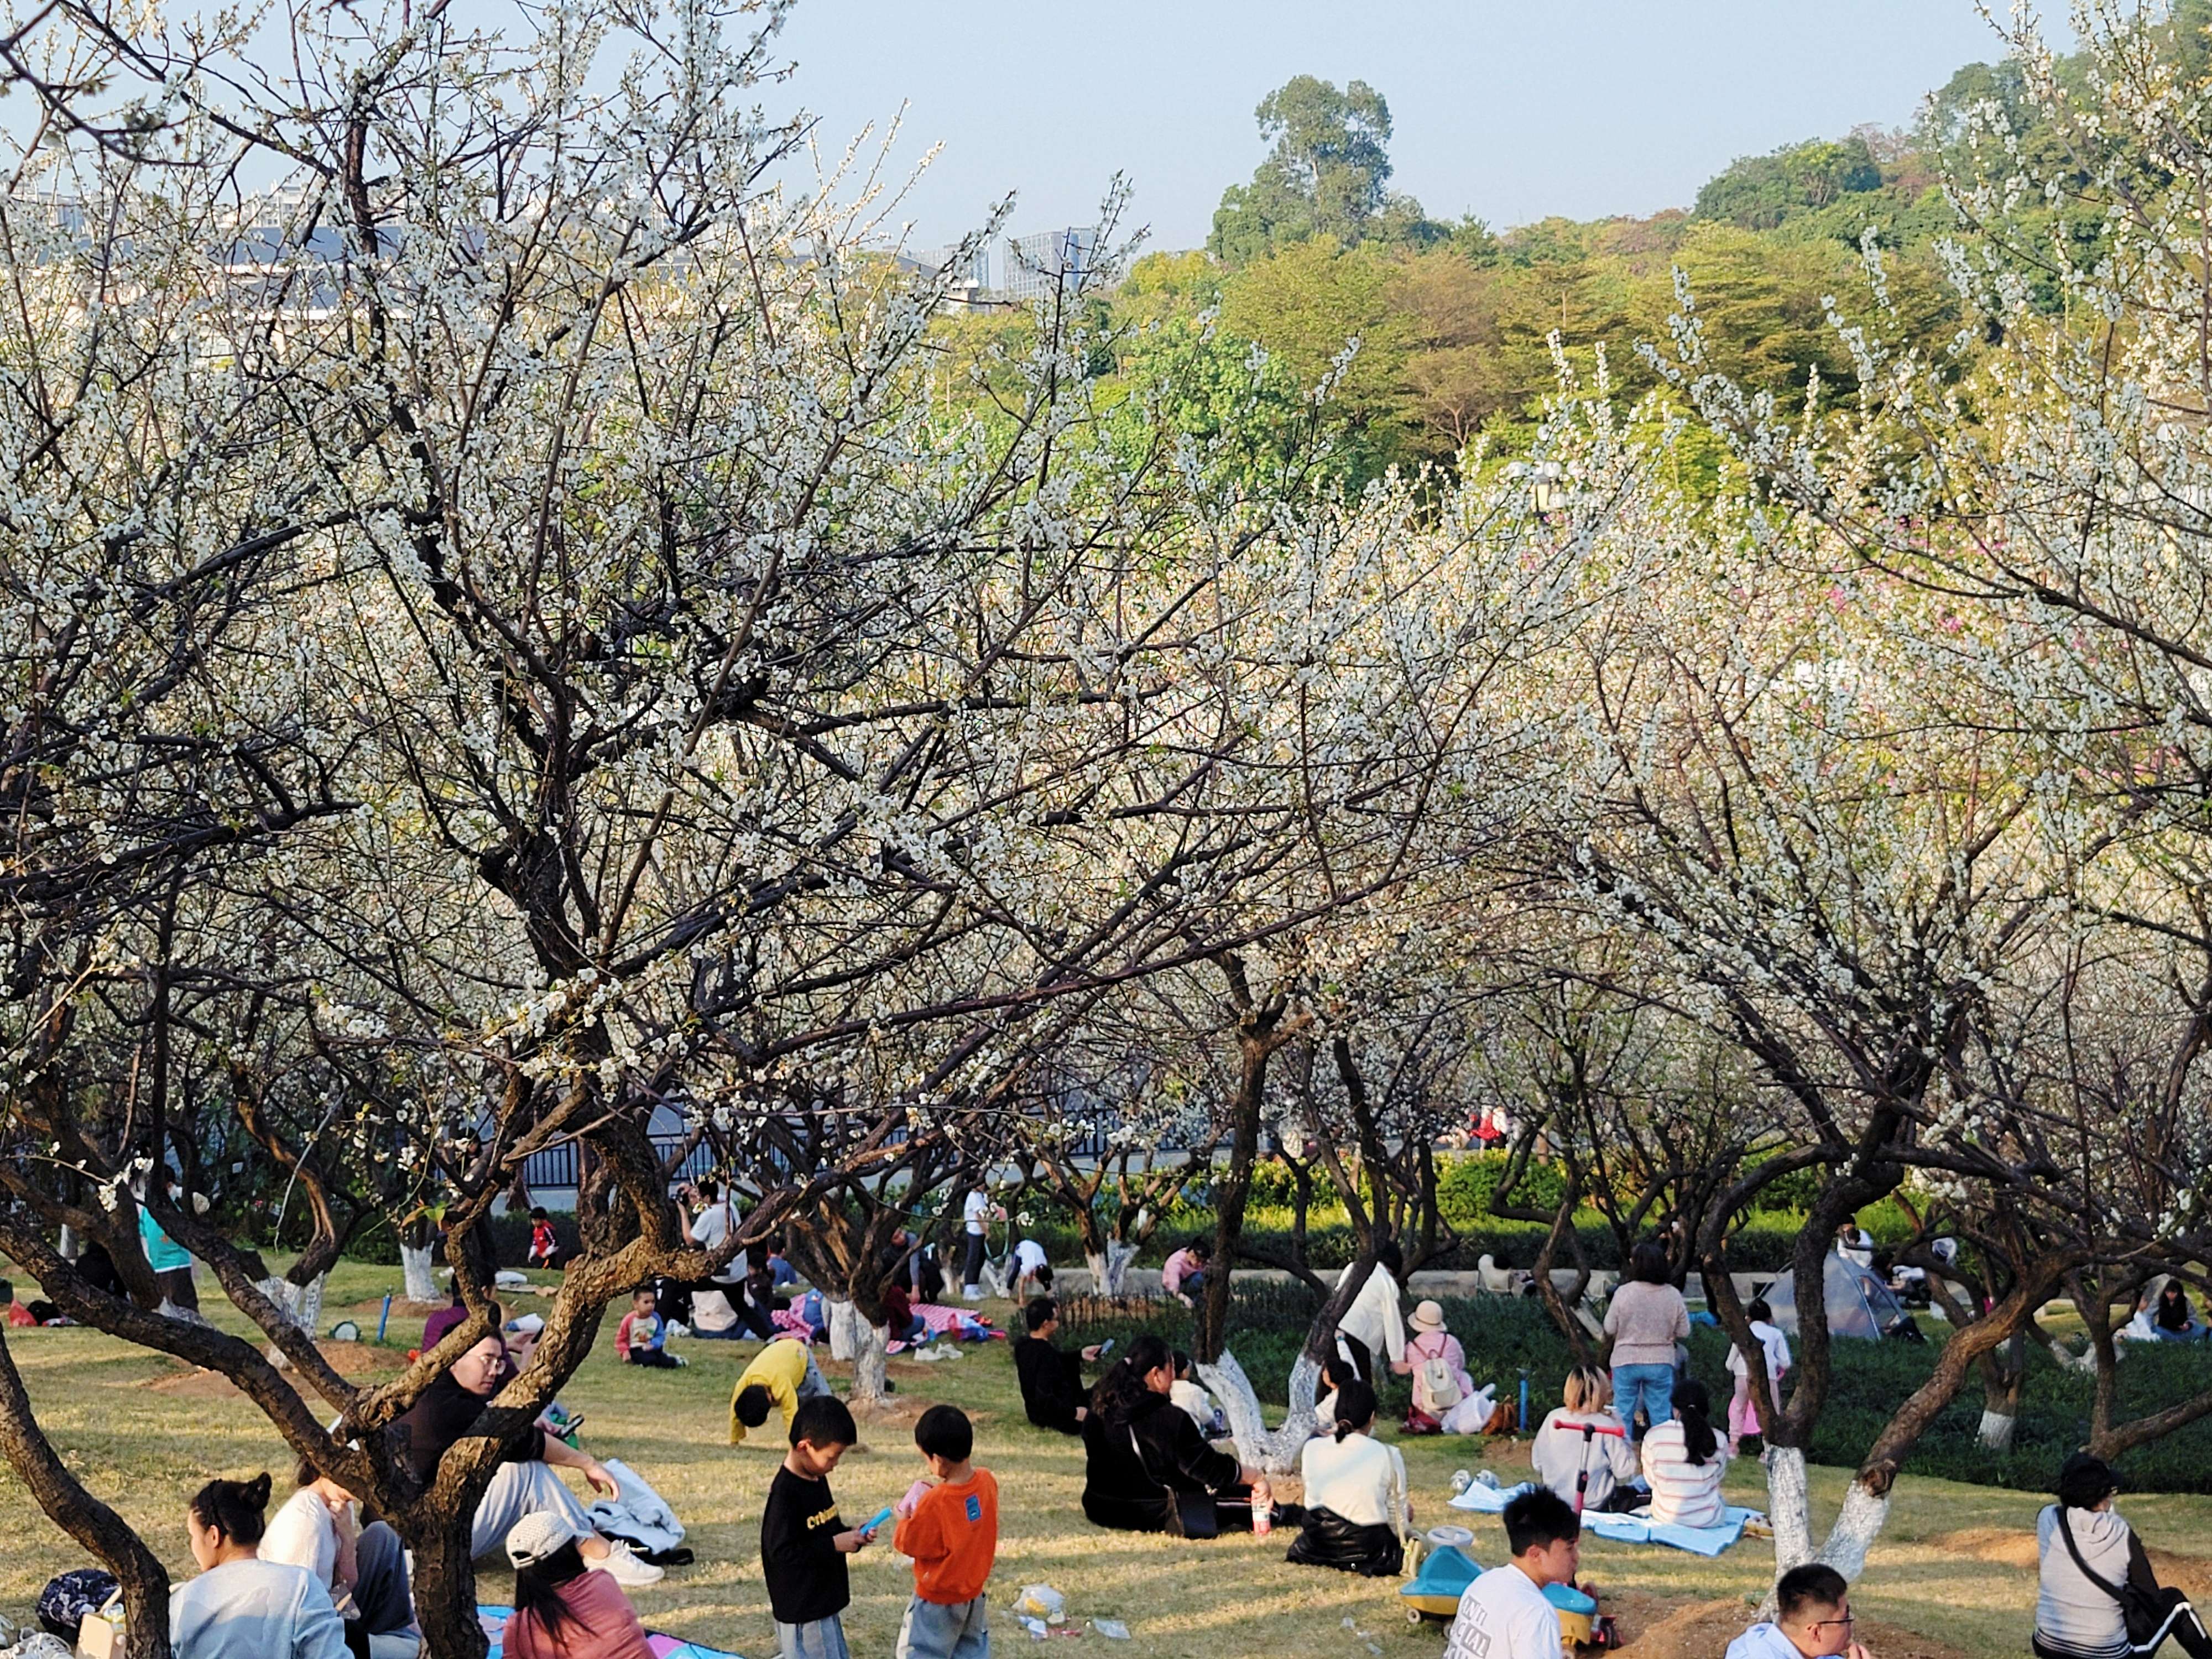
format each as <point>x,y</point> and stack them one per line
<point>972,1292</point>
<point>621,1563</point>
<point>678,1328</point>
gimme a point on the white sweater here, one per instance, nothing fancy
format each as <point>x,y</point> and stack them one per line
<point>1358,1477</point>
<point>1374,1317</point>
<point>1560,1455</point>
<point>1683,1493</point>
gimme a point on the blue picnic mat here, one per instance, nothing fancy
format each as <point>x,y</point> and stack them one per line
<point>1629,1528</point>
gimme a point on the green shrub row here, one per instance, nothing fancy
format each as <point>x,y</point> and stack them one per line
<point>1268,1325</point>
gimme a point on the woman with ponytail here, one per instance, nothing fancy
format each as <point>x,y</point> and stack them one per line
<point>1355,1504</point>
<point>1147,1468</point>
<point>1684,1460</point>
<point>241,1606</point>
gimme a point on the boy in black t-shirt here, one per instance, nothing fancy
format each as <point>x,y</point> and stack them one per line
<point>804,1544</point>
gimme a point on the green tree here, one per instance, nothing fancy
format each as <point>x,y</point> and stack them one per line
<point>1760,193</point>
<point>1328,175</point>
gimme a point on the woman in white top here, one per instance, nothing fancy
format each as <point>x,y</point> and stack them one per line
<point>363,1568</point>
<point>1583,1451</point>
<point>241,1606</point>
<point>1373,1329</point>
<point>1356,1504</point>
<point>1684,1460</point>
<point>2077,1609</point>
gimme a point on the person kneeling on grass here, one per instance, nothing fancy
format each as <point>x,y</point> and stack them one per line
<point>641,1338</point>
<point>241,1606</point>
<point>1355,1501</point>
<point>1505,1614</point>
<point>2090,1559</point>
<point>562,1609</point>
<point>363,1568</point>
<point>950,1532</point>
<point>782,1376</point>
<point>804,1542</point>
<point>1812,1619</point>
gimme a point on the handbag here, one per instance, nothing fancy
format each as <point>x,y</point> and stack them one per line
<point>2143,1613</point>
<point>1193,1514</point>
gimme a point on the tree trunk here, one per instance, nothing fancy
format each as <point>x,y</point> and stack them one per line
<point>1788,1508</point>
<point>1865,1512</point>
<point>444,1582</point>
<point>85,1518</point>
<point>2004,1378</point>
<point>844,1322</point>
<point>1275,1450</point>
<point>1109,1271</point>
<point>419,1279</point>
<point>867,1356</point>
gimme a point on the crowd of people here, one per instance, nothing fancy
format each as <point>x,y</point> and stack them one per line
<point>319,1579</point>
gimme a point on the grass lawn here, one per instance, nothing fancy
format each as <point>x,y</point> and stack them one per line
<point>1956,1565</point>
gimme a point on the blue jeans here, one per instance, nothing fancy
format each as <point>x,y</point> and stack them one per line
<point>821,1638</point>
<point>937,1630</point>
<point>1653,1384</point>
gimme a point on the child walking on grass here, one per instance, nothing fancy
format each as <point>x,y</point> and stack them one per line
<point>639,1338</point>
<point>803,1543</point>
<point>951,1531</point>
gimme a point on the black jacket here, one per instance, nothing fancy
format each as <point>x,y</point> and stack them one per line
<point>1135,1460</point>
<point>1052,1384</point>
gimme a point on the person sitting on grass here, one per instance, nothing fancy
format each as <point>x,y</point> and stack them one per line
<point>363,1568</point>
<point>1505,1614</point>
<point>1812,1619</point>
<point>1356,1503</point>
<point>2172,1320</point>
<point>1052,1380</point>
<point>562,1609</point>
<point>641,1338</point>
<point>1147,1468</point>
<point>1582,1451</point>
<point>14,1311</point>
<point>2087,1552</point>
<point>951,1532</point>
<point>448,1409</point>
<point>1684,1460</point>
<point>781,1375</point>
<point>241,1606</point>
<point>804,1542</point>
<point>900,1322</point>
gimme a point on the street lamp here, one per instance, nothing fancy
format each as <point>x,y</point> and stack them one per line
<point>1546,483</point>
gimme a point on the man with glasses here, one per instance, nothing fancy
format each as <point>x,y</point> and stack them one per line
<point>1812,1621</point>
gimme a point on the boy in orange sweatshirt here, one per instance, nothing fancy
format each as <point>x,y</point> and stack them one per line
<point>952,1531</point>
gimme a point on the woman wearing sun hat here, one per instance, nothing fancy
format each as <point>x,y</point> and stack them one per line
<point>1438,1363</point>
<point>562,1609</point>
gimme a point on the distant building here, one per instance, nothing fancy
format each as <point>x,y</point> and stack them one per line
<point>972,270</point>
<point>1050,261</point>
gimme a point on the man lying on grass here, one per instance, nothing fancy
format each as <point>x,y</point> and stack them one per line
<point>1812,1619</point>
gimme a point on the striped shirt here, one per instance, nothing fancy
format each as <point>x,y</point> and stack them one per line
<point>1683,1493</point>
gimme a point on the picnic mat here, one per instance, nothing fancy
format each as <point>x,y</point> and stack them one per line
<point>493,1620</point>
<point>1629,1528</point>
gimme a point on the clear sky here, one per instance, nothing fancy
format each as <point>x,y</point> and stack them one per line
<point>1511,109</point>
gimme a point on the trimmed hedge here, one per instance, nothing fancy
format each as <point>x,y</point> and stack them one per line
<point>1267,1326</point>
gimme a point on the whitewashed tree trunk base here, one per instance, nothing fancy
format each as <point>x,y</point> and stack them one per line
<point>1109,1271</point>
<point>1997,1430</point>
<point>1789,1510</point>
<point>301,1303</point>
<point>867,1356</point>
<point>844,1319</point>
<point>1275,1450</point>
<point>1861,1522</point>
<point>418,1280</point>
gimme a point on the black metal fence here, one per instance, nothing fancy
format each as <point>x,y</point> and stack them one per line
<point>557,1166</point>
